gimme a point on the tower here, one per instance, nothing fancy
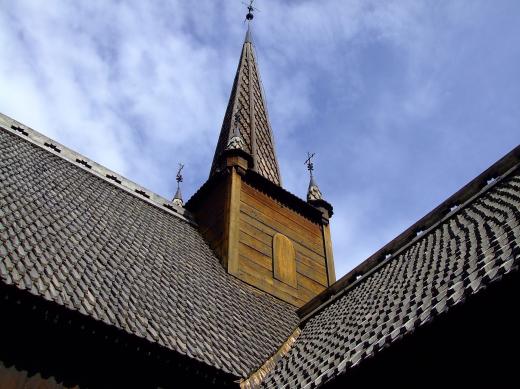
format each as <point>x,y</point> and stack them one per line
<point>261,233</point>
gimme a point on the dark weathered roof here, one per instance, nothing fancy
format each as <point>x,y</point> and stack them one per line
<point>474,245</point>
<point>247,98</point>
<point>78,240</point>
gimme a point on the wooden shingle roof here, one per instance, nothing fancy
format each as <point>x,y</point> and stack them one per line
<point>92,245</point>
<point>457,255</point>
<point>88,244</point>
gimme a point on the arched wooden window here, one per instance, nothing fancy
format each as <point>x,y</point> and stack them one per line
<point>284,260</point>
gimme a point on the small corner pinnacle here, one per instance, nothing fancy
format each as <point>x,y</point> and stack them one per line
<point>177,199</point>
<point>235,141</point>
<point>313,192</point>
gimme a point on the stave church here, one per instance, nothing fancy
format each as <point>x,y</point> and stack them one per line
<point>105,284</point>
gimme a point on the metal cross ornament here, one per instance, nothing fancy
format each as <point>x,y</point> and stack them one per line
<point>308,162</point>
<point>179,177</point>
<point>250,10</point>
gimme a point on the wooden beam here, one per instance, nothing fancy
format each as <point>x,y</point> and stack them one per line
<point>252,123</point>
<point>327,242</point>
<point>233,222</point>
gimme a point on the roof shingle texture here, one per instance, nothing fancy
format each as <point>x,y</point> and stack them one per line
<point>473,247</point>
<point>247,99</point>
<point>81,242</point>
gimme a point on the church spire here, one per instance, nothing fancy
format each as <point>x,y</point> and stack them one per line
<point>260,232</point>
<point>247,103</point>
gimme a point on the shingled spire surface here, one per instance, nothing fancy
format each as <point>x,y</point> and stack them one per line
<point>247,99</point>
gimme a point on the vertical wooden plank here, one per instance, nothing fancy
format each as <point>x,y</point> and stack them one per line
<point>233,226</point>
<point>327,242</point>
<point>225,224</point>
<point>211,216</point>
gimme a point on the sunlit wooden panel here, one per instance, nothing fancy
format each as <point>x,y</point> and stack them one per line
<point>284,260</point>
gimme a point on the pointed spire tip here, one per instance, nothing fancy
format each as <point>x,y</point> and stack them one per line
<point>177,199</point>
<point>253,135</point>
<point>313,193</point>
<point>248,34</point>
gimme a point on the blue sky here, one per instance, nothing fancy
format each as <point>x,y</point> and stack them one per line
<point>403,102</point>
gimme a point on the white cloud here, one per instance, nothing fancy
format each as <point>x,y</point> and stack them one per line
<point>379,89</point>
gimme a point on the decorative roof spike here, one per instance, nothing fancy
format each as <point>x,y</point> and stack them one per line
<point>250,9</point>
<point>313,193</point>
<point>177,199</point>
<point>236,142</point>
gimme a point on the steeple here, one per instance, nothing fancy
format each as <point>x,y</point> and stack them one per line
<point>247,103</point>
<point>262,234</point>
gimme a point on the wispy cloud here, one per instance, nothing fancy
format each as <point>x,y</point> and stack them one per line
<point>403,101</point>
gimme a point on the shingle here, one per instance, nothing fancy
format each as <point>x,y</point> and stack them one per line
<point>95,248</point>
<point>248,101</point>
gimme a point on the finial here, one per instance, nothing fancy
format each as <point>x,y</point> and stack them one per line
<point>177,199</point>
<point>249,18</point>
<point>313,193</point>
<point>308,162</point>
<point>250,10</point>
<point>236,141</point>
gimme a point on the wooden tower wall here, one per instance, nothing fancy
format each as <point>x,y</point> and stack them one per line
<point>240,222</point>
<point>211,216</point>
<point>261,217</point>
